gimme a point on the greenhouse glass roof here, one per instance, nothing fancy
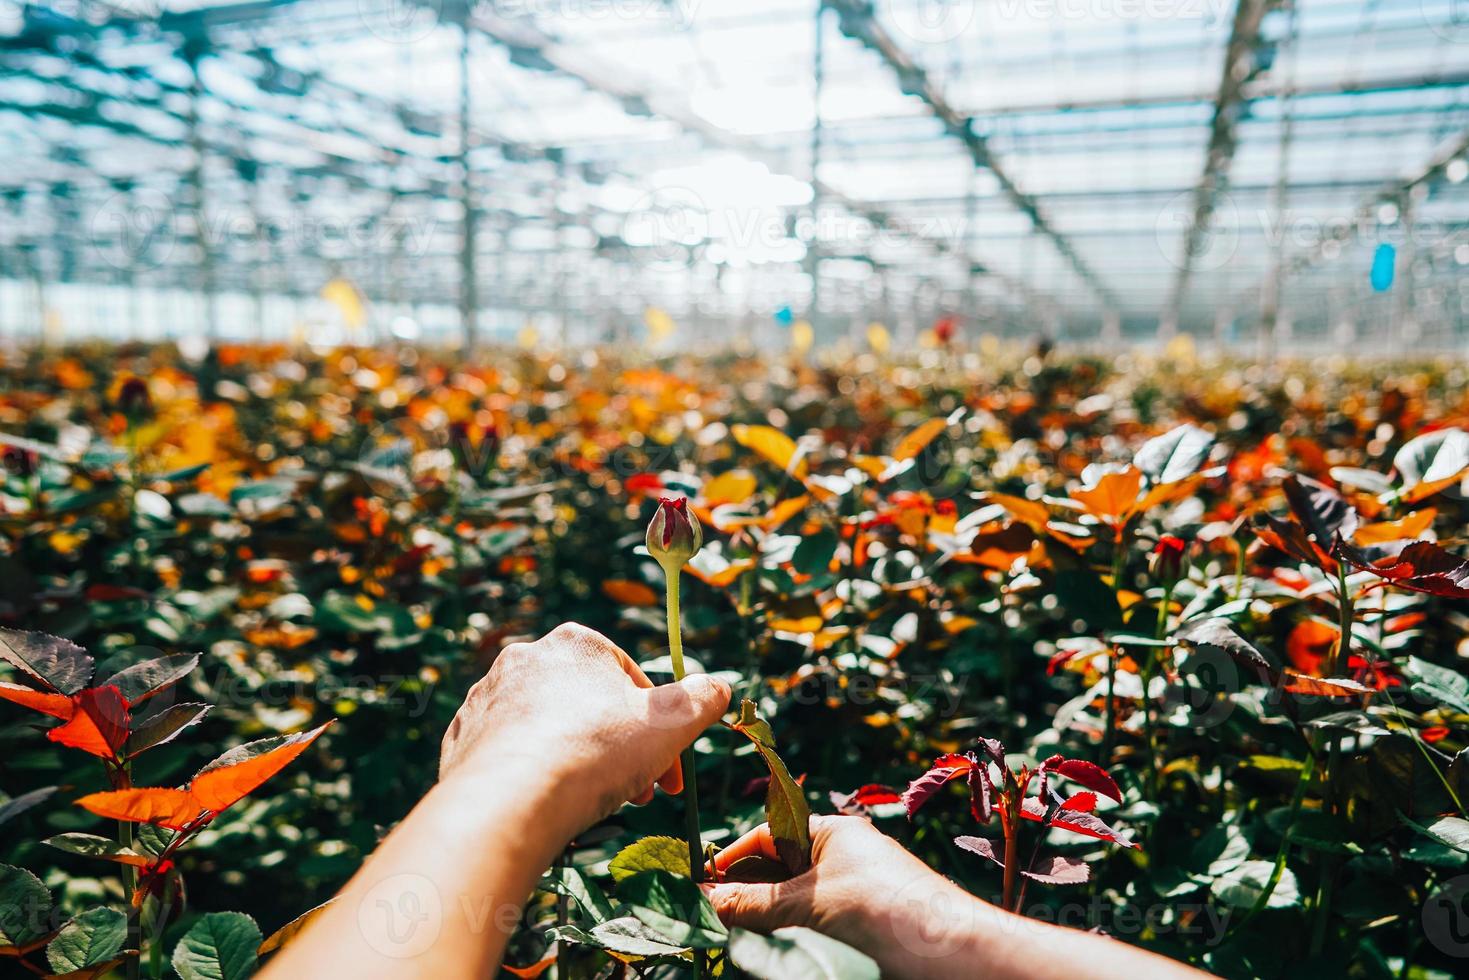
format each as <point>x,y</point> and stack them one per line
<point>1086,168</point>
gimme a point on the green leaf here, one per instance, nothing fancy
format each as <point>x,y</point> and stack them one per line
<point>90,845</point>
<point>813,555</point>
<point>673,906</point>
<point>25,907</point>
<point>1175,455</point>
<point>1433,458</point>
<point>220,946</point>
<point>1441,684</point>
<point>342,613</point>
<point>164,727</point>
<point>13,808</point>
<point>625,935</point>
<point>667,853</point>
<point>59,664</point>
<point>95,936</point>
<point>1242,886</point>
<point>572,883</point>
<point>143,680</point>
<point>797,953</point>
<point>786,809</point>
<point>1451,832</point>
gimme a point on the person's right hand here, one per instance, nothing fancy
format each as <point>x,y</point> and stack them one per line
<point>863,888</point>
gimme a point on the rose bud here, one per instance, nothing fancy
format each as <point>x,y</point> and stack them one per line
<point>674,535</point>
<point>21,462</point>
<point>133,399</point>
<point>1170,559</point>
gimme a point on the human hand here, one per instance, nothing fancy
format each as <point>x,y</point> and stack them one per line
<point>863,888</point>
<point>574,711</point>
<point>866,890</point>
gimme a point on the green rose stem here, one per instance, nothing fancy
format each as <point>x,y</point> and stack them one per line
<point>691,786</point>
<point>674,536</point>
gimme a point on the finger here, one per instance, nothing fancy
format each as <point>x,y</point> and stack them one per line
<point>680,711</point>
<point>631,668</point>
<point>643,798</point>
<point>761,907</point>
<point>756,843</point>
<point>672,779</point>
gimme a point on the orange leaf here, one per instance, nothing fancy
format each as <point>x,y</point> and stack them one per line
<point>918,438</point>
<point>1331,687</point>
<point>732,487</point>
<point>1409,528</point>
<point>535,969</point>
<point>98,725</point>
<point>629,593</point>
<point>169,808</point>
<point>773,444</point>
<point>1114,498</point>
<point>242,770</point>
<point>55,705</point>
<point>1026,511</point>
<point>1309,643</point>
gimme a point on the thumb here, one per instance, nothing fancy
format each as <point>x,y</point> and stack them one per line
<point>685,708</point>
<point>760,907</point>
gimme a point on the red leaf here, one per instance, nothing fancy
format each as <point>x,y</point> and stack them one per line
<point>1082,802</point>
<point>856,802</point>
<point>1320,509</point>
<point>979,793</point>
<point>98,725</point>
<point>242,770</point>
<point>1076,821</point>
<point>1058,870</point>
<point>217,786</point>
<point>1088,774</point>
<point>984,847</point>
<point>945,768</point>
<point>1420,567</point>
<point>55,705</point>
<point>169,808</point>
<point>1291,538</point>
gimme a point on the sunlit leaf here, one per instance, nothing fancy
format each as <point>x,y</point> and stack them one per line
<point>292,929</point>
<point>786,809</point>
<point>1431,462</point>
<point>220,946</point>
<point>798,953</point>
<point>59,664</point>
<point>95,936</point>
<point>629,593</point>
<point>141,681</point>
<point>668,853</point>
<point>1175,454</point>
<point>98,724</point>
<point>774,445</point>
<point>242,770</point>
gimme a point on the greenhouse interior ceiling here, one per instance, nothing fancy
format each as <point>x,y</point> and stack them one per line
<point>1258,172</point>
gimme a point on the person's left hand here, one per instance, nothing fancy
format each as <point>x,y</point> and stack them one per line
<point>578,712</point>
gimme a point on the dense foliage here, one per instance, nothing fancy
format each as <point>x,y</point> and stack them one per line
<point>997,577</point>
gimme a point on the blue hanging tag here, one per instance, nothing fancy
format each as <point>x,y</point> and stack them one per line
<point>1384,261</point>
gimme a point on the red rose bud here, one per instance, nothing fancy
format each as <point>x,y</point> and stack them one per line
<point>674,535</point>
<point>1170,559</point>
<point>21,462</point>
<point>133,399</point>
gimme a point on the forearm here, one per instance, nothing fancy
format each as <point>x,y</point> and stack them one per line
<point>934,930</point>
<point>440,897</point>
